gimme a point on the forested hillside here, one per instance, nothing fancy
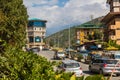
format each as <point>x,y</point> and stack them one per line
<point>61,38</point>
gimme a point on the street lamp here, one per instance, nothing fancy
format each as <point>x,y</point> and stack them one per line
<point>69,42</point>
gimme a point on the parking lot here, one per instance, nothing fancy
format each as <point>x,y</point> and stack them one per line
<point>49,56</point>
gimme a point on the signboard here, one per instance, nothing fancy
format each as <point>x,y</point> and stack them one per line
<point>37,39</point>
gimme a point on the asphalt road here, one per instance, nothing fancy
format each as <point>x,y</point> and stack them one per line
<point>49,56</point>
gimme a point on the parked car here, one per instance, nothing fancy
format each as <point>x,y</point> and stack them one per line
<point>71,66</point>
<point>35,49</point>
<point>104,66</point>
<point>45,49</point>
<point>59,55</point>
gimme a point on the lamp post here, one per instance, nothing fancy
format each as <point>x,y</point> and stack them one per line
<point>69,42</point>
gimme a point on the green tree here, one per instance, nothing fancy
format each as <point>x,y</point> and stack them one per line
<point>13,22</point>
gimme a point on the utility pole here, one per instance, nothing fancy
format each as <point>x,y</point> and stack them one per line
<point>69,42</point>
<point>91,17</point>
<point>58,39</point>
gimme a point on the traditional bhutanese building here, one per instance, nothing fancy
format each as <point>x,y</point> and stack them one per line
<point>36,30</point>
<point>112,22</point>
<point>86,31</point>
<point>83,31</point>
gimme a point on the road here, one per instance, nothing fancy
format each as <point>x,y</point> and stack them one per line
<point>49,56</point>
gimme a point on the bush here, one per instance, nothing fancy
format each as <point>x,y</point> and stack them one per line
<point>17,64</point>
<point>80,56</point>
<point>95,77</point>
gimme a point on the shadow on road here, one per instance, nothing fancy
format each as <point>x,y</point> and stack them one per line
<point>88,73</point>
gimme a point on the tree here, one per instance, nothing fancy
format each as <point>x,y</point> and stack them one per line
<point>13,22</point>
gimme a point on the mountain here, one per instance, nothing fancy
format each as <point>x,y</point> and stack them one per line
<point>61,38</point>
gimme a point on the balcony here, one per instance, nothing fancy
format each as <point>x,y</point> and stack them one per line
<point>30,34</point>
<point>112,37</point>
<point>112,27</point>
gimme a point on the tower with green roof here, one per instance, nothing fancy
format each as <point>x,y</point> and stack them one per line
<point>36,30</point>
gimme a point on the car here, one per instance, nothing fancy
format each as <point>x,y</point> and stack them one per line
<point>59,55</point>
<point>34,49</point>
<point>45,49</point>
<point>104,66</point>
<point>71,66</point>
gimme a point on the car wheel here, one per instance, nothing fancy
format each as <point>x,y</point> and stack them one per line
<point>90,69</point>
<point>101,72</point>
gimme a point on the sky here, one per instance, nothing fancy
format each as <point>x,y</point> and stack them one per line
<point>61,14</point>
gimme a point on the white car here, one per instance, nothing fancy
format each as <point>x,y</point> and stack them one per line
<point>71,66</point>
<point>59,55</point>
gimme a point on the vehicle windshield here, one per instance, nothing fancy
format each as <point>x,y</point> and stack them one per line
<point>72,65</point>
<point>111,61</point>
<point>60,52</point>
<point>117,56</point>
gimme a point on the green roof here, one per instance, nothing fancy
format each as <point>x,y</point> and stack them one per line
<point>35,19</point>
<point>89,25</point>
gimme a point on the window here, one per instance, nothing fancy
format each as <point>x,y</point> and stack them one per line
<point>71,65</point>
<point>30,39</point>
<point>111,61</point>
<point>116,3</point>
<point>116,9</point>
<point>30,33</point>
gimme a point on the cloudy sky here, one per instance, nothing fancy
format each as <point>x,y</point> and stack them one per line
<point>61,14</point>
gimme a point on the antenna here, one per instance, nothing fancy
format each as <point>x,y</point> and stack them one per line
<point>91,18</point>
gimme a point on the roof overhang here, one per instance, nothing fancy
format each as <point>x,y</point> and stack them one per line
<point>110,16</point>
<point>108,1</point>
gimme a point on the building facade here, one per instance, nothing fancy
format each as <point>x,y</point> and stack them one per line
<point>87,31</point>
<point>112,22</point>
<point>36,31</point>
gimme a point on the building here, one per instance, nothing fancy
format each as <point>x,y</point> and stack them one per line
<point>84,31</point>
<point>86,35</point>
<point>36,31</point>
<point>112,22</point>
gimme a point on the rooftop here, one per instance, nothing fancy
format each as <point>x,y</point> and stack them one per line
<point>89,26</point>
<point>36,19</point>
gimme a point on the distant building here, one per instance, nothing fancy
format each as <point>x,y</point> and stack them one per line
<point>112,22</point>
<point>36,31</point>
<point>83,34</point>
<point>83,31</point>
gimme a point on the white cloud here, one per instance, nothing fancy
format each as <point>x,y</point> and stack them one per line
<point>74,11</point>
